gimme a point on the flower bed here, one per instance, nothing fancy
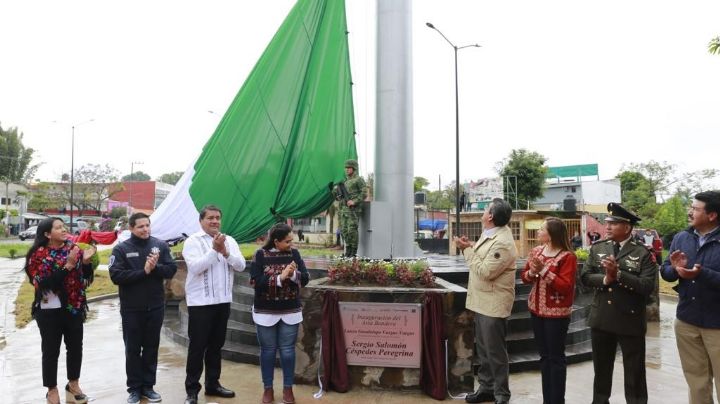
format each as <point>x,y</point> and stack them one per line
<point>379,272</point>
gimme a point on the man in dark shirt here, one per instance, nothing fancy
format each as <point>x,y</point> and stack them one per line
<point>139,266</point>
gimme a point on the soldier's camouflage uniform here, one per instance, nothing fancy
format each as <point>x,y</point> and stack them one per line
<point>350,216</point>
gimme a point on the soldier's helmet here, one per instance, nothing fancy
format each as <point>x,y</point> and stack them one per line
<point>618,213</point>
<point>351,163</point>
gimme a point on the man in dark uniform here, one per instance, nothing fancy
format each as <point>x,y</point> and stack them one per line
<point>139,266</point>
<point>623,273</point>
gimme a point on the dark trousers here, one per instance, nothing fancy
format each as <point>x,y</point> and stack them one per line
<point>493,373</point>
<point>604,346</point>
<point>207,326</point>
<point>141,333</point>
<point>550,336</point>
<point>54,325</point>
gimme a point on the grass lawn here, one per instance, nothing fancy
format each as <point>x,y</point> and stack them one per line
<point>20,249</point>
<point>666,287</point>
<point>101,286</point>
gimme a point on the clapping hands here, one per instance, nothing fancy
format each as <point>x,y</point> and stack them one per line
<point>151,261</point>
<point>462,242</point>
<point>679,262</point>
<point>288,271</point>
<point>72,258</point>
<point>611,267</point>
<point>219,244</point>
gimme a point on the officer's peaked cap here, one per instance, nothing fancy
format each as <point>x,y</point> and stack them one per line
<point>618,213</point>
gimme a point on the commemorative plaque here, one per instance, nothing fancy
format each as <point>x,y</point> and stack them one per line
<point>381,334</point>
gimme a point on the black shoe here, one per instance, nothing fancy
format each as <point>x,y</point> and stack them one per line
<point>191,399</point>
<point>134,397</point>
<point>151,395</point>
<point>480,397</point>
<point>219,391</point>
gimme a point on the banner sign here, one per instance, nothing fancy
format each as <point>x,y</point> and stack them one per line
<point>382,334</point>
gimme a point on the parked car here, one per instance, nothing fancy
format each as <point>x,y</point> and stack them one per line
<point>77,226</point>
<point>28,234</point>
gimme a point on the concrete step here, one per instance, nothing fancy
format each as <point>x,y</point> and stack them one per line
<point>232,350</point>
<point>241,333</point>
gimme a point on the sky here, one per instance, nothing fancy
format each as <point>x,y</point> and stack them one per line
<point>611,82</point>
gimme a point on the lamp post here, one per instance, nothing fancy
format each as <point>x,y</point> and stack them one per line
<point>132,170</point>
<point>72,168</point>
<point>457,128</point>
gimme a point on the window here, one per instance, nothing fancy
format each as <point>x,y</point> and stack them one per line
<point>515,228</point>
<point>473,230</point>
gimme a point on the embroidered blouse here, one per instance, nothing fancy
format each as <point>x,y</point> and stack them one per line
<point>277,299</point>
<point>553,288</point>
<point>46,268</point>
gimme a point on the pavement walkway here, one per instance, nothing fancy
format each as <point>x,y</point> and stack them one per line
<point>103,376</point>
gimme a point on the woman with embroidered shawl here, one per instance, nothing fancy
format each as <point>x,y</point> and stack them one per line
<point>551,268</point>
<point>60,271</point>
<point>278,272</point>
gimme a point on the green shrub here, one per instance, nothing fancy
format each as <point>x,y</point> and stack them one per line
<point>582,254</point>
<point>95,260</point>
<point>118,212</point>
<point>12,253</point>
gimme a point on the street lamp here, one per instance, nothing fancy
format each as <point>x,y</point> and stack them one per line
<point>457,128</point>
<point>72,167</point>
<point>132,170</point>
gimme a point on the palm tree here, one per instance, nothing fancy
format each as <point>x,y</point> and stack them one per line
<point>714,46</point>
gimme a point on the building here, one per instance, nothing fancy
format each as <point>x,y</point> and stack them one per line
<point>525,224</point>
<point>577,187</point>
<point>144,196</point>
<point>588,196</point>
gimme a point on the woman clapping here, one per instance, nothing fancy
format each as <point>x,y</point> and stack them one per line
<point>60,271</point>
<point>551,268</point>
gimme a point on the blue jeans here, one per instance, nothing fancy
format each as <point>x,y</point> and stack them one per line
<point>281,337</point>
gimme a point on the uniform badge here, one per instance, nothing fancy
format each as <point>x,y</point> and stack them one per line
<point>132,254</point>
<point>632,264</point>
<point>111,261</point>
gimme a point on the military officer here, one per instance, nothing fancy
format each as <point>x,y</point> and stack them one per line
<point>623,273</point>
<point>351,206</point>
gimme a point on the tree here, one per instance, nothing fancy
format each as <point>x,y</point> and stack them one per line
<point>136,176</point>
<point>171,178</point>
<point>637,193</point>
<point>15,158</point>
<point>44,196</point>
<point>529,169</point>
<point>93,186</point>
<point>714,46</point>
<point>419,183</point>
<point>664,179</point>
<point>671,217</point>
<point>444,199</point>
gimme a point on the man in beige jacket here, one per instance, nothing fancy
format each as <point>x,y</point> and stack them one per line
<point>491,293</point>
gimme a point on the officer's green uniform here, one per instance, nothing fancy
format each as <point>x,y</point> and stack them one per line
<point>617,314</point>
<point>350,216</point>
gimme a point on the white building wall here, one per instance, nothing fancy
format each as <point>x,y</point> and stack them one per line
<point>601,192</point>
